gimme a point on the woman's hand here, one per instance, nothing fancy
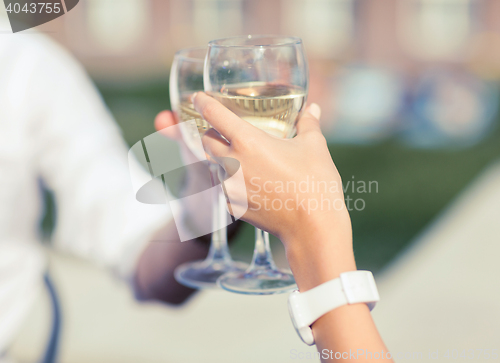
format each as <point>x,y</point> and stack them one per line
<point>293,189</point>
<point>314,226</point>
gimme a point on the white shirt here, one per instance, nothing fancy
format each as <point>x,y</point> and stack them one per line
<point>55,130</point>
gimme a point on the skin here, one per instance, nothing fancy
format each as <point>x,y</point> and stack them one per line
<point>154,275</point>
<point>318,242</point>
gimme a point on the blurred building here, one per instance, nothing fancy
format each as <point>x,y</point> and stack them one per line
<point>350,43</point>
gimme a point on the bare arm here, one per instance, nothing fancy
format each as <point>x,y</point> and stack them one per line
<point>348,330</point>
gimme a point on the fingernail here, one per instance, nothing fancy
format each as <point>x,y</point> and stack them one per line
<point>314,110</point>
<point>193,96</point>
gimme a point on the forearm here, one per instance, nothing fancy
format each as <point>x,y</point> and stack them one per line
<point>349,330</point>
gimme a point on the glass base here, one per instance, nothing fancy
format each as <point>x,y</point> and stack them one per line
<point>258,282</point>
<point>204,274</point>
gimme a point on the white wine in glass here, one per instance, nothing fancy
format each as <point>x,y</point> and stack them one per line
<point>273,108</point>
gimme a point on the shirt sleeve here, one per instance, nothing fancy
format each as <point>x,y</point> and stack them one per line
<point>84,160</point>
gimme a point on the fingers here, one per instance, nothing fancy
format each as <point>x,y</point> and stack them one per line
<point>219,150</point>
<point>163,121</point>
<point>223,120</point>
<point>309,120</point>
<point>214,144</point>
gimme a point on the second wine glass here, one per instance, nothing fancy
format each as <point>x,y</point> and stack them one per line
<point>186,77</point>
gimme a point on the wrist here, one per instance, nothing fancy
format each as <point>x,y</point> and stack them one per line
<point>321,252</point>
<point>316,268</point>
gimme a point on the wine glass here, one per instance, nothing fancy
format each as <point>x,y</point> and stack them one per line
<point>186,77</point>
<point>264,80</point>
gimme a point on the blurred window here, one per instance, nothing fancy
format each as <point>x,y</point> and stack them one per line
<point>326,26</point>
<point>117,25</point>
<point>436,29</point>
<point>214,19</point>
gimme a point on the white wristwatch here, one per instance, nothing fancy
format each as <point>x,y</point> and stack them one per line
<point>350,288</point>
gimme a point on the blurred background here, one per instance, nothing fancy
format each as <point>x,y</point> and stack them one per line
<point>409,91</point>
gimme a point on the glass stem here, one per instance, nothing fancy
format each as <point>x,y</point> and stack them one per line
<point>219,251</point>
<point>262,256</point>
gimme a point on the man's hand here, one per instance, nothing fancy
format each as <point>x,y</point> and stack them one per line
<point>154,279</point>
<point>196,179</point>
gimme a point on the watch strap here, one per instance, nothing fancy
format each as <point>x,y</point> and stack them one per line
<point>350,288</point>
<point>309,306</point>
